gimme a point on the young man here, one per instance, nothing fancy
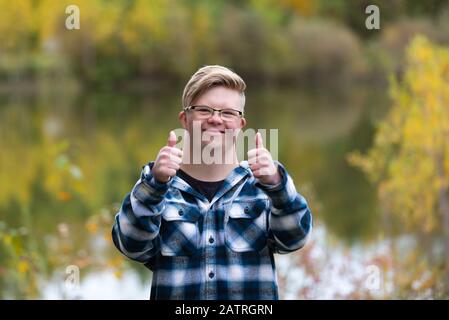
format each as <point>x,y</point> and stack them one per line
<point>209,229</point>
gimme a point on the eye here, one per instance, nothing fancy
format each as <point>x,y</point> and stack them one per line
<point>204,110</point>
<point>229,113</point>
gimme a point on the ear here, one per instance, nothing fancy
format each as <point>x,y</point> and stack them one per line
<point>183,119</point>
<point>242,122</point>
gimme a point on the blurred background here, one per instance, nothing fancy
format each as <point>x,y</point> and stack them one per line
<point>363,119</point>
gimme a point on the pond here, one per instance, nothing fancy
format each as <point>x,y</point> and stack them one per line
<point>68,158</point>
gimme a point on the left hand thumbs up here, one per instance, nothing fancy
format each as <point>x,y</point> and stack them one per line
<point>261,163</point>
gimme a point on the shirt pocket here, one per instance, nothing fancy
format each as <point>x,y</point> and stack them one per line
<point>246,225</point>
<point>180,232</point>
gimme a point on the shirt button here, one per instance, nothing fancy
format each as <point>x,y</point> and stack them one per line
<point>246,210</point>
<point>180,212</point>
<point>211,240</point>
<point>211,274</point>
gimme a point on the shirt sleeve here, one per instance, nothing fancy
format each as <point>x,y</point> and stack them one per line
<point>290,219</point>
<point>136,229</point>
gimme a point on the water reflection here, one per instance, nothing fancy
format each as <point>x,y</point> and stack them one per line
<point>102,285</point>
<point>67,162</point>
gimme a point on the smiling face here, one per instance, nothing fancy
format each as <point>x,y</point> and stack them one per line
<point>219,98</point>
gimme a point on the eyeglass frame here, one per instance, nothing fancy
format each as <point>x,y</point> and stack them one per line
<point>213,110</point>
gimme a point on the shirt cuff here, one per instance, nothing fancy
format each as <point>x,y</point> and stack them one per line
<point>150,183</point>
<point>282,193</point>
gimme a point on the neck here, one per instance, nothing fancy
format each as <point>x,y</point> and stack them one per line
<point>208,172</point>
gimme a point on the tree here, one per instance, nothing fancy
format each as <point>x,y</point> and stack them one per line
<point>409,162</point>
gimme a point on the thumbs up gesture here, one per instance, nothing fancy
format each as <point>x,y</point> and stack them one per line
<point>168,160</point>
<point>262,165</point>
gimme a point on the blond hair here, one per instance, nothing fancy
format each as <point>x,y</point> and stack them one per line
<point>212,76</point>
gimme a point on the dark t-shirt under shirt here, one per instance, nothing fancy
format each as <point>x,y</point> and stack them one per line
<point>206,188</point>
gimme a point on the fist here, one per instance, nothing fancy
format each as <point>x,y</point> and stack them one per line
<point>262,165</point>
<point>167,161</point>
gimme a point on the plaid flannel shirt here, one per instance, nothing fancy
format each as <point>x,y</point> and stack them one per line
<point>221,249</point>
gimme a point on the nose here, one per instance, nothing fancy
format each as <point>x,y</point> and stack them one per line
<point>215,118</point>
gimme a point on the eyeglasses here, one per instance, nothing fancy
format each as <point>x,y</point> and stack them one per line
<point>205,112</point>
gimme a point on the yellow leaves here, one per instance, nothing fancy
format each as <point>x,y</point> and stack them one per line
<point>116,263</point>
<point>92,227</point>
<point>413,129</point>
<point>416,276</point>
<point>118,274</point>
<point>202,26</point>
<point>420,50</point>
<point>100,222</point>
<point>47,15</point>
<point>15,22</point>
<point>301,7</point>
<point>23,266</point>
<point>140,17</point>
<point>7,239</point>
<point>46,161</point>
<point>411,138</point>
<point>64,196</point>
<point>22,19</point>
<point>18,264</point>
<point>365,163</point>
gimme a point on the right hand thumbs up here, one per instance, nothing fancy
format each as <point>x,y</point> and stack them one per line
<point>167,161</point>
<point>171,139</point>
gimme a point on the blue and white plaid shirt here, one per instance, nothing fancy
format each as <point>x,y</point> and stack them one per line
<point>222,249</point>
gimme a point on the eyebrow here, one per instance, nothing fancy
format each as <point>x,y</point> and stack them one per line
<point>205,105</point>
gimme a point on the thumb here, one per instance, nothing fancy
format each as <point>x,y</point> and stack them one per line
<point>171,139</point>
<point>259,141</point>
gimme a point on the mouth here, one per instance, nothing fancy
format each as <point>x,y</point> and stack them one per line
<point>213,131</point>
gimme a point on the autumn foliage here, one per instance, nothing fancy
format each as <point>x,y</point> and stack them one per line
<point>409,161</point>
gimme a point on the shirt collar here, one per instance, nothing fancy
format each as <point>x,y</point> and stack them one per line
<point>234,177</point>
